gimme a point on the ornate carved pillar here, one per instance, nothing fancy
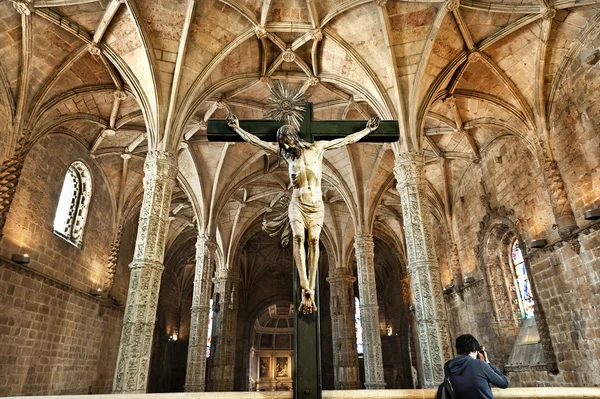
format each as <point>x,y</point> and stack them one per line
<point>345,357</point>
<point>131,374</point>
<point>222,364</point>
<point>430,311</point>
<point>196,362</point>
<point>363,247</point>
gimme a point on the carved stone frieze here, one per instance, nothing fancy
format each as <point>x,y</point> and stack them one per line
<point>196,360</point>
<point>365,264</point>
<point>430,311</point>
<point>345,358</point>
<point>131,375</point>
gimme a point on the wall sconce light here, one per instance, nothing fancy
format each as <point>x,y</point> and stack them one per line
<point>117,302</point>
<point>95,291</point>
<point>173,337</point>
<point>469,280</point>
<point>541,243</point>
<point>448,290</point>
<point>18,258</point>
<point>593,214</point>
<point>411,308</point>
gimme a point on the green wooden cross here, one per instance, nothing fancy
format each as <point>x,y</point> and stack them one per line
<point>310,130</point>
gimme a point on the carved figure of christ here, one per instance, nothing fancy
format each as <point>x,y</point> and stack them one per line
<point>306,210</point>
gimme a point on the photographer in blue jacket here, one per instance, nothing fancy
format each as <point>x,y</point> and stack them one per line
<point>471,373</point>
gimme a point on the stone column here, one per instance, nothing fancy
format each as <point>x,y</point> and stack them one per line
<point>224,331</point>
<point>131,374</point>
<point>369,311</point>
<point>345,357</point>
<point>196,361</point>
<point>430,311</point>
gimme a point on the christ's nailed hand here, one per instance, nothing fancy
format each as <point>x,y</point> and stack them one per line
<point>232,121</point>
<point>373,123</point>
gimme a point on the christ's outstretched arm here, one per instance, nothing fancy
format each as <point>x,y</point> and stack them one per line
<point>372,124</point>
<point>234,123</point>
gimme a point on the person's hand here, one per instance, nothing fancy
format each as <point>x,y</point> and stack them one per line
<point>232,121</point>
<point>481,355</point>
<point>373,123</point>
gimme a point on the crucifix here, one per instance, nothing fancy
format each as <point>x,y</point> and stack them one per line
<point>302,143</point>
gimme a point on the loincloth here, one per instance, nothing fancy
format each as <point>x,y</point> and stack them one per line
<point>309,215</point>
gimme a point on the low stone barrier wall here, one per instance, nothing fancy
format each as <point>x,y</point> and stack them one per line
<point>511,393</point>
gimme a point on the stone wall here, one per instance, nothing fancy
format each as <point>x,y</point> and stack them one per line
<point>512,201</point>
<point>55,337</point>
<point>29,226</point>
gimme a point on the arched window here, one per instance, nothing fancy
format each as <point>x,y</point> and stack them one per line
<point>358,326</point>
<point>73,204</point>
<point>522,281</point>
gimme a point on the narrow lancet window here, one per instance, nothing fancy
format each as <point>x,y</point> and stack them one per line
<point>73,204</point>
<point>522,281</point>
<point>358,326</point>
<point>210,324</point>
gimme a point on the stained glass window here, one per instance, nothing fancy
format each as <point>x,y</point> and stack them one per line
<point>358,326</point>
<point>210,323</point>
<point>522,281</point>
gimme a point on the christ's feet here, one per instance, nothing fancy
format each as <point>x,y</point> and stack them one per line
<point>308,304</point>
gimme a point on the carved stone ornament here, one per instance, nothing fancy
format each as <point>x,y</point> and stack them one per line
<point>23,7</point>
<point>475,56</point>
<point>94,49</point>
<point>261,32</point>
<point>10,173</point>
<point>452,5</point>
<point>288,55</point>
<point>202,125</point>
<point>113,257</point>
<point>548,13</point>
<point>131,375</point>
<point>313,81</point>
<point>381,3</point>
<point>120,95</point>
<point>316,34</point>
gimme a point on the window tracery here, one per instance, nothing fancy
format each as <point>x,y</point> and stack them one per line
<point>73,204</point>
